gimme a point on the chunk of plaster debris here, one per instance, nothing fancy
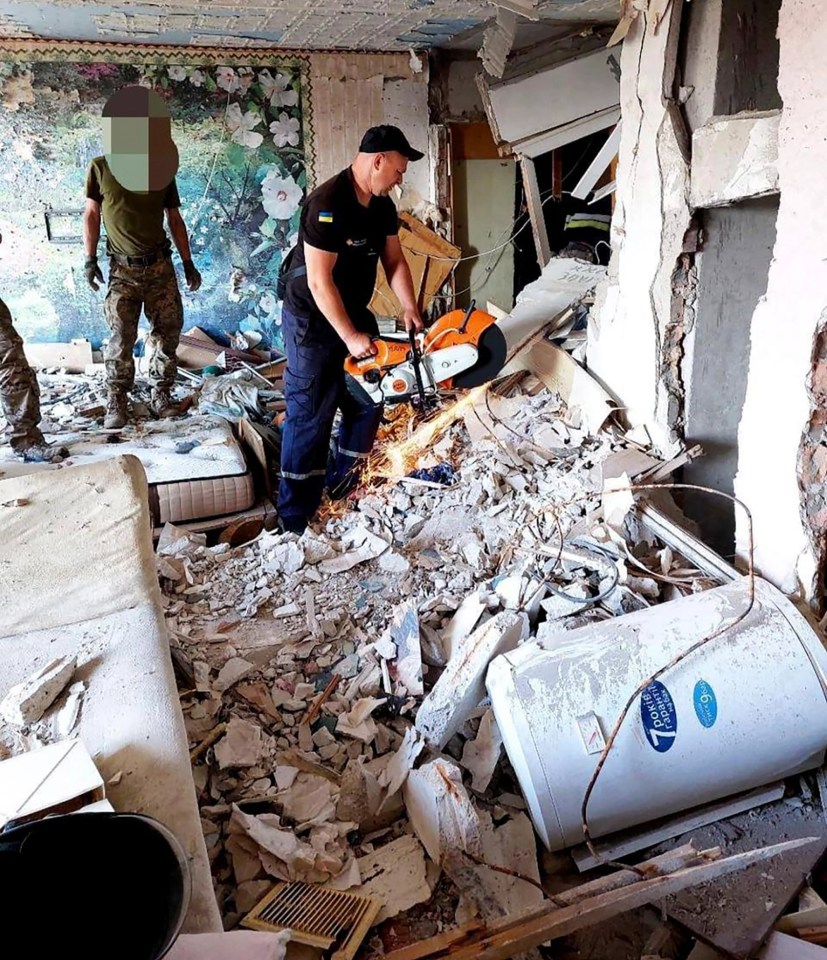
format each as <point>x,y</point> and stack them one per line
<point>396,772</point>
<point>481,755</point>
<point>369,548</point>
<point>235,669</point>
<point>440,810</point>
<point>462,623</point>
<point>66,717</point>
<point>462,684</point>
<point>404,631</point>
<point>240,746</point>
<point>287,610</point>
<point>357,723</point>
<point>392,562</point>
<point>309,799</point>
<point>396,876</point>
<point>27,701</point>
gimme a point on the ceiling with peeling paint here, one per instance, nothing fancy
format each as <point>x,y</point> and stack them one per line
<point>299,24</point>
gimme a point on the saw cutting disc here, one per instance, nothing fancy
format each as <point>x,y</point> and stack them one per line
<point>492,356</point>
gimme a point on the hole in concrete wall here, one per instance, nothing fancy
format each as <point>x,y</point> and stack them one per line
<point>812,464</point>
<point>732,277</point>
<point>728,60</point>
<point>558,171</point>
<point>749,49</point>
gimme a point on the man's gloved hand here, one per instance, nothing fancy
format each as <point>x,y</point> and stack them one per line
<point>192,275</point>
<point>94,277</point>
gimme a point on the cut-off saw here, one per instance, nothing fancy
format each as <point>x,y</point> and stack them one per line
<point>463,349</point>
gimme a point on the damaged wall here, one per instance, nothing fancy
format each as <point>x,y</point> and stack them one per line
<point>243,131</point>
<point>254,131</point>
<point>634,337</point>
<point>777,407</point>
<point>351,92</point>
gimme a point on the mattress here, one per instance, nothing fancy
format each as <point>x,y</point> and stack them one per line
<point>195,467</point>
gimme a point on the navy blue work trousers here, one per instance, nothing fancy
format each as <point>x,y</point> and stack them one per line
<point>314,388</point>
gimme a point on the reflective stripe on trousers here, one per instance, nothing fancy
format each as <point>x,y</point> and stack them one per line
<point>314,387</point>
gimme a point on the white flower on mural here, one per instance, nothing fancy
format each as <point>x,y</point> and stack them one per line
<point>177,72</point>
<point>268,303</point>
<point>227,79</point>
<point>280,196</point>
<point>197,78</point>
<point>242,126</point>
<point>276,89</point>
<point>285,131</point>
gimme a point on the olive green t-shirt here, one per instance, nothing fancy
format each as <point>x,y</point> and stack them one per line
<point>134,221</point>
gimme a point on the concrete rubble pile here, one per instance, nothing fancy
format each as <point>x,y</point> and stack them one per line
<point>333,684</point>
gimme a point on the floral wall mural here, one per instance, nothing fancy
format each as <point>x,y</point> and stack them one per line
<point>242,127</point>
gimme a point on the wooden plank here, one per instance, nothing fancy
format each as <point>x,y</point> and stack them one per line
<point>634,840</point>
<point>502,940</point>
<point>761,895</point>
<point>431,259</point>
<point>535,210</point>
<point>795,922</point>
<point>782,947</point>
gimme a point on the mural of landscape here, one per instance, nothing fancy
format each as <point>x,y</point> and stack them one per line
<point>243,135</point>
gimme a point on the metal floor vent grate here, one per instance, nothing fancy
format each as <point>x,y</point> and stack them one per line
<point>317,916</point>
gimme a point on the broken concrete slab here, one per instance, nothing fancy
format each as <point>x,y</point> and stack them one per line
<point>440,810</point>
<point>462,684</point>
<point>26,702</point>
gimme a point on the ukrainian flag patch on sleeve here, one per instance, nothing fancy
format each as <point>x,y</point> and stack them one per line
<point>325,216</point>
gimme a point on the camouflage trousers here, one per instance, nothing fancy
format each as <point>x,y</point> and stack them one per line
<point>155,288</point>
<point>19,391</point>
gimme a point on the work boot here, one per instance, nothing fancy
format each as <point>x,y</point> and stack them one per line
<point>162,404</point>
<point>116,412</point>
<point>43,453</point>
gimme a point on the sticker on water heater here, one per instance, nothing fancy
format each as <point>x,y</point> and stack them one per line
<point>706,703</point>
<point>660,719</point>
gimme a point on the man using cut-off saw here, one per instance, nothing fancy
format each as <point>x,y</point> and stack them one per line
<point>348,225</point>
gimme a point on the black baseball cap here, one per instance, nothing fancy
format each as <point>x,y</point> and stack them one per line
<point>387,138</point>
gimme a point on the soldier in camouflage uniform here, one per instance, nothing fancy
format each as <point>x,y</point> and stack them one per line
<point>20,397</point>
<point>132,201</point>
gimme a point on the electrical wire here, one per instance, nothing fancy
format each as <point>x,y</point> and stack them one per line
<point>693,648</point>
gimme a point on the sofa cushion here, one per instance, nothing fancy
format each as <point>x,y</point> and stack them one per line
<point>78,546</point>
<point>131,724</point>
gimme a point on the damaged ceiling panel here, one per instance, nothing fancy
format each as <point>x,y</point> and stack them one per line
<point>299,24</point>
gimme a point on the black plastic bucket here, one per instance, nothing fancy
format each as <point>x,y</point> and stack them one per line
<point>98,885</point>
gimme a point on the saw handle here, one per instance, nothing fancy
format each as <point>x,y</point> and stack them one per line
<point>468,313</point>
<point>415,360</point>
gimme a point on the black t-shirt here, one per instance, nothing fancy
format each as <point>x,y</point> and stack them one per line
<point>332,219</point>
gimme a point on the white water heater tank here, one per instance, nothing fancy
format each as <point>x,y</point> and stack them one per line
<point>746,709</point>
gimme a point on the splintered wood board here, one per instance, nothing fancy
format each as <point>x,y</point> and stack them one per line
<point>736,913</point>
<point>431,260</point>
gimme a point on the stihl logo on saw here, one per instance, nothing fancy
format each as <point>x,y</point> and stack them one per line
<point>463,349</point>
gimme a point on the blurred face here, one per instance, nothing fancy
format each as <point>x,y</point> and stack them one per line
<point>387,172</point>
<point>137,140</point>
